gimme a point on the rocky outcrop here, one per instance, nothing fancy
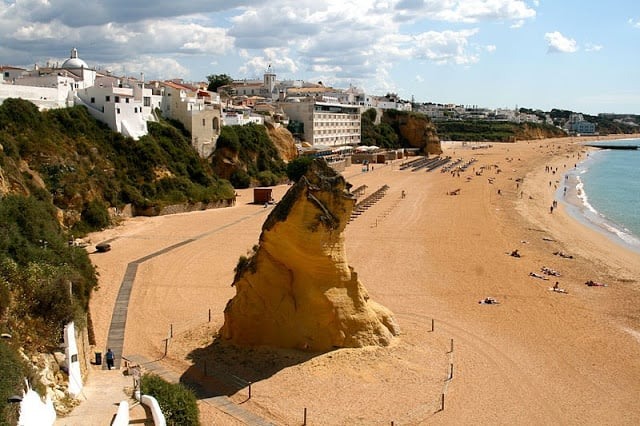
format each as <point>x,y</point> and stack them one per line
<point>529,132</point>
<point>296,289</point>
<point>414,129</point>
<point>283,141</point>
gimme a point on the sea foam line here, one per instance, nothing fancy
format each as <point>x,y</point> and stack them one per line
<point>601,220</point>
<point>583,196</point>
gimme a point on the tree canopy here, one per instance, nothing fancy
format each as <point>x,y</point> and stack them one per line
<point>218,80</point>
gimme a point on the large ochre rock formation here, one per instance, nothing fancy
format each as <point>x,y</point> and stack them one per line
<point>296,290</point>
<point>415,130</point>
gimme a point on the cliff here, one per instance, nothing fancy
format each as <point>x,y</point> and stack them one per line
<point>297,290</point>
<point>253,155</point>
<point>283,141</point>
<point>415,130</point>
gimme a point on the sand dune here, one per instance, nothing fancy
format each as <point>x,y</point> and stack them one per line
<point>537,357</point>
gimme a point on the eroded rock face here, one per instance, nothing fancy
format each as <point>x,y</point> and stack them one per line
<point>297,290</point>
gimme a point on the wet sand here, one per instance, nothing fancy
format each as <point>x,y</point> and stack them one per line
<point>536,357</point>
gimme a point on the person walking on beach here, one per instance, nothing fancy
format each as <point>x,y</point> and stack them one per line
<point>109,359</point>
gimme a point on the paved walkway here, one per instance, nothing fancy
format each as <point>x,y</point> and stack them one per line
<point>222,402</point>
<point>99,401</point>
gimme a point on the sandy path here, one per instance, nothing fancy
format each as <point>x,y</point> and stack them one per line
<point>537,357</point>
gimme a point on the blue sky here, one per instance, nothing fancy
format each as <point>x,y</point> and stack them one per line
<point>569,54</point>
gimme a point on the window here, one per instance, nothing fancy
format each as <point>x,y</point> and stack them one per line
<point>117,110</point>
<point>126,100</point>
<point>116,99</point>
<point>135,109</point>
<point>204,123</point>
<point>147,101</point>
<point>107,98</point>
<point>93,100</point>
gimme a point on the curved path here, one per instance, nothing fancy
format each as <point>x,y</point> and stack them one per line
<point>115,339</point>
<point>116,335</point>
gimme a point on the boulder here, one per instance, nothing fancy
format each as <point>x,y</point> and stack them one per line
<point>296,288</point>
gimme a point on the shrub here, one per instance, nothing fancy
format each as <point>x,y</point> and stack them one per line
<point>96,215</point>
<point>267,178</point>
<point>298,167</point>
<point>228,139</point>
<point>13,373</point>
<point>240,179</point>
<point>178,403</point>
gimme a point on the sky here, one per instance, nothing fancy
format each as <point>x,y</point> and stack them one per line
<point>581,55</point>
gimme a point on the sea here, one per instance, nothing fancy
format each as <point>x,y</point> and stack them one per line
<point>603,191</point>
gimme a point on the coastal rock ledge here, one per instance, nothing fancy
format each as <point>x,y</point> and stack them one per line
<point>296,289</point>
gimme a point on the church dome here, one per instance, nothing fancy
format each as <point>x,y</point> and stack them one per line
<point>74,61</point>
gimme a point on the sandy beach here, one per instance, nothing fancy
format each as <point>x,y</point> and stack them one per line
<point>536,357</point>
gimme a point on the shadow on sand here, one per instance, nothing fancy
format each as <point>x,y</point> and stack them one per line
<point>225,369</point>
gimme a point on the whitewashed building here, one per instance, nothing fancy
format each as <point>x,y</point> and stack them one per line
<point>123,104</point>
<point>325,123</point>
<point>199,111</point>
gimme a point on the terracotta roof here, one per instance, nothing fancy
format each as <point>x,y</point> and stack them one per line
<point>176,86</point>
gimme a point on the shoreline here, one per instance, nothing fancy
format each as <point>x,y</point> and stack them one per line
<point>578,206</point>
<point>537,357</point>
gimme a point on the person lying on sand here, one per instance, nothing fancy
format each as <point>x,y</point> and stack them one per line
<point>515,253</point>
<point>549,271</point>
<point>534,275</point>
<point>488,301</point>
<point>563,254</point>
<point>591,283</point>
<point>557,289</point>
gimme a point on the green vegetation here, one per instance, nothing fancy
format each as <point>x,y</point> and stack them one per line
<point>44,284</point>
<point>218,80</point>
<point>87,168</point>
<point>47,282</point>
<point>382,135</point>
<point>246,263</point>
<point>61,172</point>
<point>255,151</point>
<point>493,131</point>
<point>298,167</point>
<point>11,383</point>
<point>178,403</point>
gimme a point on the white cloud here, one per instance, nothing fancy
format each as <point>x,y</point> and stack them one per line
<point>557,43</point>
<point>490,48</point>
<point>344,40</point>
<point>278,58</point>
<point>446,47</point>
<point>472,11</point>
<point>590,47</point>
<point>152,67</point>
<point>634,22</point>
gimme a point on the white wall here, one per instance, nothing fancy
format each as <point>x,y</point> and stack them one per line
<point>71,360</point>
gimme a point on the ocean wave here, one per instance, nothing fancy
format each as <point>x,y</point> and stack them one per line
<point>598,219</point>
<point>582,195</point>
<point>624,235</point>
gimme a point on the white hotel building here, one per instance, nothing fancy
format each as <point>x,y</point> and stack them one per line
<point>325,123</point>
